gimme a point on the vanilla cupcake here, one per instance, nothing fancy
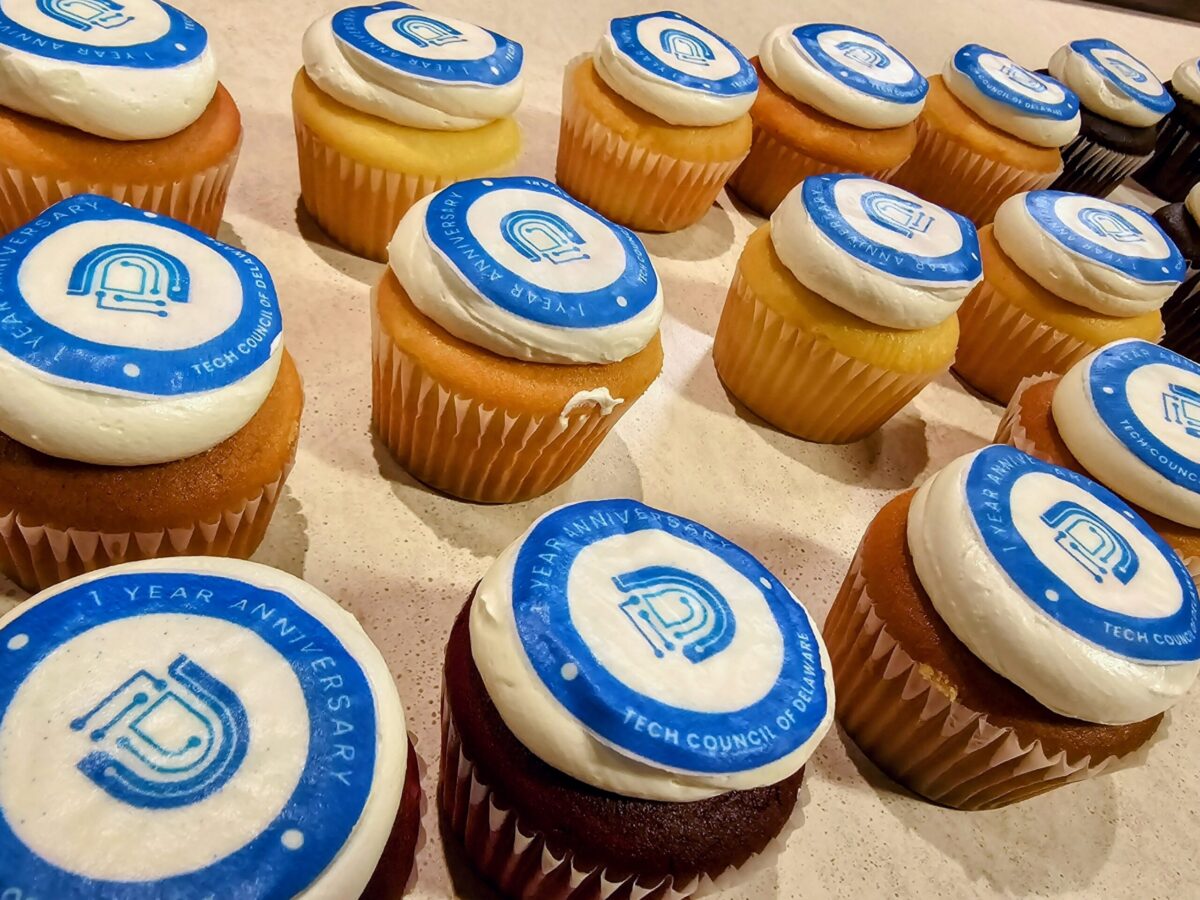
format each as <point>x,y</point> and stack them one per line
<point>512,329</point>
<point>629,703</point>
<point>1121,102</point>
<point>1063,274</point>
<point>1181,317</point>
<point>654,121</point>
<point>990,129</point>
<point>833,98</point>
<point>842,307</point>
<point>200,728</point>
<point>147,405</point>
<point>1009,628</point>
<point>394,103</point>
<point>120,99</point>
<point>1174,169</point>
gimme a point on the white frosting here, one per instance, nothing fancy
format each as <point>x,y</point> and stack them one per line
<point>374,88</point>
<point>1192,203</point>
<point>794,70</point>
<point>1003,628</point>
<point>1073,276</point>
<point>1186,80</point>
<point>598,397</point>
<point>1041,131</point>
<point>1102,92</point>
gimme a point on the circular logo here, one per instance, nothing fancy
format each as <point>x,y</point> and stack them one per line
<point>892,230</point>
<point>999,78</point>
<point>527,247</point>
<point>1126,72</point>
<point>677,49</point>
<point>98,295</point>
<point>139,34</point>
<point>430,47</point>
<point>170,734</point>
<point>1081,555</point>
<point>1120,237</point>
<point>666,641</point>
<point>863,61</point>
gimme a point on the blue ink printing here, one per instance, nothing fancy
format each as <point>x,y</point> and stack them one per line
<point>1012,85</point>
<point>131,278</point>
<point>1091,543</point>
<point>86,14</point>
<point>844,58</point>
<point>1126,73</point>
<point>538,235</point>
<point>1181,406</point>
<point>426,32</point>
<point>896,213</point>
<point>688,49</point>
<point>674,610</point>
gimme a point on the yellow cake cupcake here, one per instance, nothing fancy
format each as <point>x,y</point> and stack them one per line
<point>115,99</point>
<point>990,129</point>
<point>393,104</point>
<point>1064,274</point>
<point>654,121</point>
<point>833,98</point>
<point>842,308</point>
<point>512,330</point>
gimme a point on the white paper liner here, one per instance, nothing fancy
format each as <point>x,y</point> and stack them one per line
<point>199,200</point>
<point>937,747</point>
<point>950,174</point>
<point>1089,168</point>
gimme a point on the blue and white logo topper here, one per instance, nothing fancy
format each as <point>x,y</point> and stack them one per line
<point>100,296</point>
<point>173,734</point>
<point>137,34</point>
<point>1004,81</point>
<point>1120,237</point>
<point>679,50</point>
<point>892,230</point>
<point>1149,399</point>
<point>527,247</point>
<point>666,641</point>
<point>861,60</point>
<point>1126,72</point>
<point>1084,558</point>
<point>428,46</point>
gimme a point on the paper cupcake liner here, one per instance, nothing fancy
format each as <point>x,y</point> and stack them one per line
<point>945,172</point>
<point>438,435</point>
<point>1174,169</point>
<point>517,859</point>
<point>628,183</point>
<point>1181,318</point>
<point>800,383</point>
<point>199,200</point>
<point>1089,168</point>
<point>774,167</point>
<point>37,556</point>
<point>935,746</point>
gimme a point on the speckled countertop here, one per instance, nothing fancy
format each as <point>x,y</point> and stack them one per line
<point>404,559</point>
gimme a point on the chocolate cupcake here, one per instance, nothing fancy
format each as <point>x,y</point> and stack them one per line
<point>1174,169</point>
<point>1181,223</point>
<point>629,703</point>
<point>1121,100</point>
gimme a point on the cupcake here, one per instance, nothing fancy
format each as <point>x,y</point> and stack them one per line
<point>511,330</point>
<point>199,728</point>
<point>1121,100</point>
<point>1009,628</point>
<point>842,307</point>
<point>119,99</point>
<point>147,406</point>
<point>654,121</point>
<point>833,98</point>
<point>1127,416</point>
<point>629,701</point>
<point>990,129</point>
<point>1063,274</point>
<point>1181,223</point>
<point>1174,169</point>
<point>395,103</point>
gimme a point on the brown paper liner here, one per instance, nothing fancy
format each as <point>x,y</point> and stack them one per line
<point>949,174</point>
<point>935,746</point>
<point>199,201</point>
<point>800,383</point>
<point>36,556</point>
<point>628,183</point>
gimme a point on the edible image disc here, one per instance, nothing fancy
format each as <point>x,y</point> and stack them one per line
<point>680,50</point>
<point>862,60</point>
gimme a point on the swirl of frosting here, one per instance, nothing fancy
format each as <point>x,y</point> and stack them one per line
<point>676,69</point>
<point>135,71</point>
<point>414,68</point>
<point>1103,256</point>
<point>1186,80</point>
<point>998,543</point>
<point>877,251</point>
<point>851,75</point>
<point>1028,106</point>
<point>515,266</point>
<point>1111,82</point>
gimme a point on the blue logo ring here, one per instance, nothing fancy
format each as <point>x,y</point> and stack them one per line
<point>966,60</point>
<point>683,46</point>
<point>1160,102</point>
<point>911,91</point>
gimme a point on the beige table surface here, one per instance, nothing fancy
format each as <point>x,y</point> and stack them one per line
<point>403,559</point>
